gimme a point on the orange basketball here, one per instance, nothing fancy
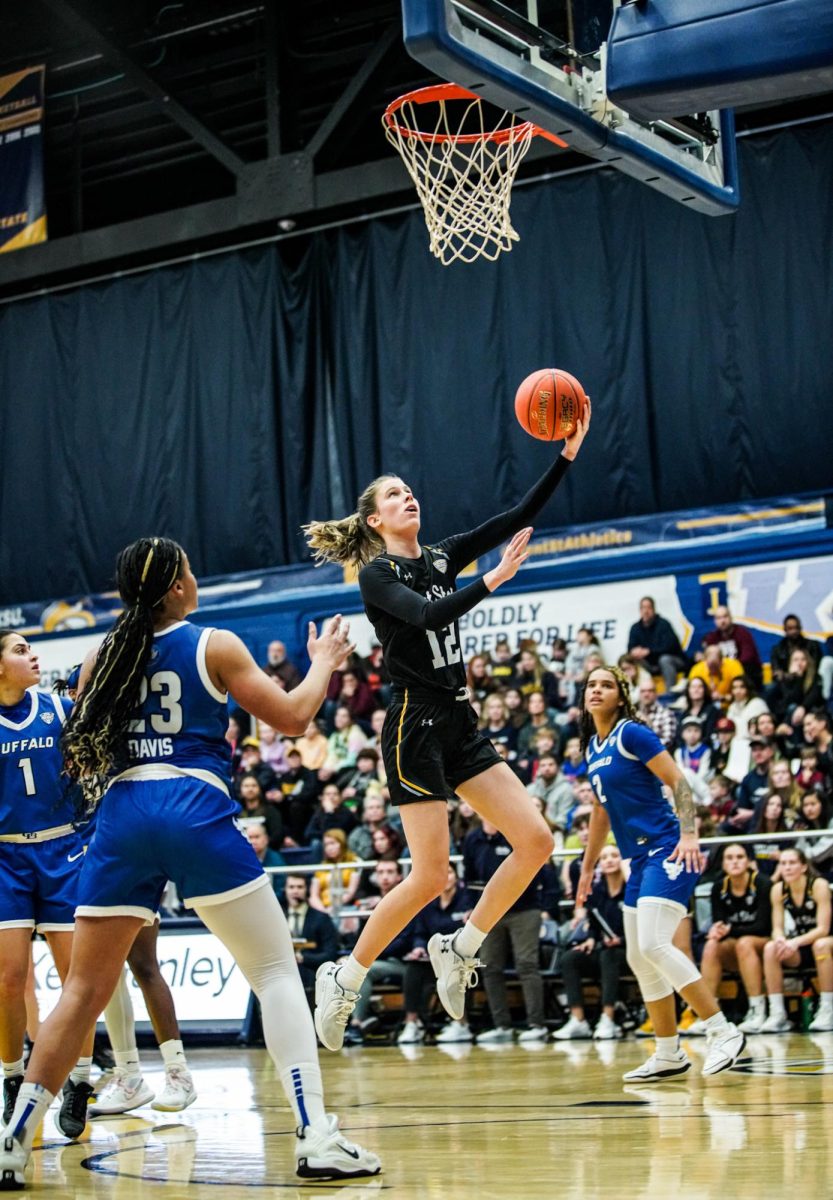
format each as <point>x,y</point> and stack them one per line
<point>548,404</point>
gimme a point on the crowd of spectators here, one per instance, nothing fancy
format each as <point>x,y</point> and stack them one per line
<point>758,756</point>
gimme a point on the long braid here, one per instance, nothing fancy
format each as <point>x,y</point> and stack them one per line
<point>94,741</point>
<point>586,725</point>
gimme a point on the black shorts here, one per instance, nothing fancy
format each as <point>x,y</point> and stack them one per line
<point>430,748</point>
<point>808,959</point>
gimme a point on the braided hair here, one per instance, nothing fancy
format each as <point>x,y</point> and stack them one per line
<point>626,709</point>
<point>94,741</point>
<point>350,540</point>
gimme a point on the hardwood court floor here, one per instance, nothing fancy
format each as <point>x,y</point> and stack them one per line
<point>555,1121</point>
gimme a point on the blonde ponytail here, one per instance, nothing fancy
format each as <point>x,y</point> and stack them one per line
<point>350,541</point>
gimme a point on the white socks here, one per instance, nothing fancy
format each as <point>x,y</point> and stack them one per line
<point>80,1073</point>
<point>825,1002</point>
<point>776,1005</point>
<point>715,1021</point>
<point>757,1005</point>
<point>468,940</point>
<point>172,1054</point>
<point>128,1061</point>
<point>32,1103</point>
<point>351,974</point>
<point>668,1047</point>
<point>11,1069</point>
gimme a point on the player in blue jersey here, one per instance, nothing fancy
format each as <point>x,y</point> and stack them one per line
<point>41,855</point>
<point>149,727</point>
<point>627,766</point>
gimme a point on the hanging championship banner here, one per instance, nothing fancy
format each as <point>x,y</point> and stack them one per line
<point>22,201</point>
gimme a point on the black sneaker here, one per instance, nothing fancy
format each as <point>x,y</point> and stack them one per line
<point>11,1086</point>
<point>72,1118</point>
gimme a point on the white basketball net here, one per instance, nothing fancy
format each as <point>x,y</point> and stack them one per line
<point>463,171</point>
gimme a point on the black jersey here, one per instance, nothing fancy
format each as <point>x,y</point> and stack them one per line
<point>414,605</point>
<point>804,914</point>
<point>749,914</point>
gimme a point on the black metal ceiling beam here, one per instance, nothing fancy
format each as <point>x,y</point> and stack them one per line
<point>348,97</point>
<point>76,20</point>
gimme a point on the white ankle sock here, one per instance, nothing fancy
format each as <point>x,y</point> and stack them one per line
<point>172,1053</point>
<point>80,1073</point>
<point>10,1069</point>
<point>32,1103</point>
<point>128,1061</point>
<point>776,1005</point>
<point>351,974</point>
<point>716,1021</point>
<point>468,940</point>
<point>826,1001</point>
<point>668,1047</point>
<point>757,1005</point>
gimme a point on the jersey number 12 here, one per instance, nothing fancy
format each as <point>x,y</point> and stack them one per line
<point>452,650</point>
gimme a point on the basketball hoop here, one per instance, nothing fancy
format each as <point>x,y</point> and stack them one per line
<point>463,170</point>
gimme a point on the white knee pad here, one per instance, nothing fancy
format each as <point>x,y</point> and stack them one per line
<point>656,924</point>
<point>652,984</point>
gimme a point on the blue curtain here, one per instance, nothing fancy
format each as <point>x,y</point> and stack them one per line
<point>226,402</point>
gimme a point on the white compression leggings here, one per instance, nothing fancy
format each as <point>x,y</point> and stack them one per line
<point>660,968</point>
<point>119,1019</point>
<point>253,927</point>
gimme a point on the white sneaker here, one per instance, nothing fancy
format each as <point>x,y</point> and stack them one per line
<point>535,1033</point>
<point>455,1031</point>
<point>322,1152</point>
<point>178,1092</point>
<point>724,1047</point>
<point>495,1037</point>
<point>123,1093</point>
<point>776,1024</point>
<point>656,1068</point>
<point>607,1030</point>
<point>412,1032</point>
<point>573,1029</point>
<point>753,1022</point>
<point>454,974</point>
<point>13,1160</point>
<point>696,1029</point>
<point>333,1006</point>
<point>822,1022</point>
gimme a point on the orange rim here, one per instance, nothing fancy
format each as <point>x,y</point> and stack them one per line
<point>436,94</point>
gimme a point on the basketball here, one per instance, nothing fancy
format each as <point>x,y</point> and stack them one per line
<point>548,404</point>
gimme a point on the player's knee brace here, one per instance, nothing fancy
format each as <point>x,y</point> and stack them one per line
<point>652,983</point>
<point>656,923</point>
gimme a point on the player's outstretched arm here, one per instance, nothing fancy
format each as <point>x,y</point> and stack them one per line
<point>687,849</point>
<point>232,669</point>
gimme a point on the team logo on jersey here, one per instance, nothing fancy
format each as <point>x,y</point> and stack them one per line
<point>673,869</point>
<point>441,565</point>
<point>154,654</point>
<point>47,718</point>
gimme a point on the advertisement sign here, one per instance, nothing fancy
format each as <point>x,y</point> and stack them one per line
<point>22,202</point>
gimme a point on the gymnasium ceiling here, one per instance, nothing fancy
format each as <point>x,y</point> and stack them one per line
<point>179,126</point>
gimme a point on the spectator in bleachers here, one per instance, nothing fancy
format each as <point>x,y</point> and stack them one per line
<point>635,673</point>
<point>558,658</point>
<point>332,888</point>
<point>503,664</point>
<point>814,814</point>
<point>656,716</point>
<point>376,672</point>
<point>577,840</point>
<point>521,773</point>
<point>722,797</point>
<point>653,642</point>
<point>344,743</point>
<point>251,763</point>
<point>374,816</point>
<point>446,914</point>
<point>253,804</point>
<point>573,763</point>
<point>234,736</point>
<point>574,666</point>
<point>741,926</point>
<point>299,789</point>
<point>717,673</point>
<point>806,897</point>
<point>736,642</point>
<point>745,706</point>
<point>278,665</point>
<point>539,717</point>
<point>273,748</point>
<point>696,701</point>
<point>478,677</point>
<point>752,789</point>
<point>462,820</point>
<point>795,693</point>
<point>313,932</point>
<point>793,639</point>
<point>724,732</point>
<point>816,729</point>
<point>495,724</point>
<point>532,676</point>
<point>266,856</point>
<point>771,817</point>
<point>313,746</point>
<point>809,778</point>
<point>377,721</point>
<point>782,783</point>
<point>330,813</point>
<point>826,671</point>
<point>387,841</point>
<point>357,697</point>
<point>484,849</point>
<point>516,707</point>
<point>363,780</point>
<point>597,951</point>
<point>554,790</point>
<point>388,967</point>
<point>694,753</point>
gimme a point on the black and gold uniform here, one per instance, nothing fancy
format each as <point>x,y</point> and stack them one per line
<point>430,741</point>
<point>750,913</point>
<point>804,914</point>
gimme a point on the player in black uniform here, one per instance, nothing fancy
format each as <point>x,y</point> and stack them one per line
<point>430,742</point>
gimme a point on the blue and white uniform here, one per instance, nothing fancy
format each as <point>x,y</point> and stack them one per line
<point>40,851</point>
<point>170,814</point>
<point>643,821</point>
